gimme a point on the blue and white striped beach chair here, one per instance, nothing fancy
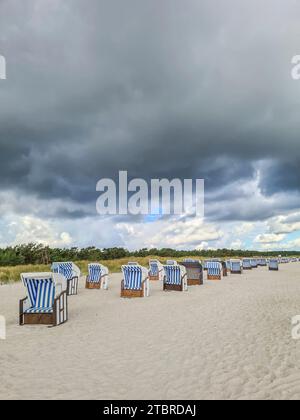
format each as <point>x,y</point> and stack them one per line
<point>175,278</point>
<point>235,266</point>
<point>97,277</point>
<point>262,262</point>
<point>46,300</point>
<point>71,273</point>
<point>135,281</point>
<point>273,264</point>
<point>156,270</point>
<point>254,263</point>
<point>214,270</point>
<point>247,264</point>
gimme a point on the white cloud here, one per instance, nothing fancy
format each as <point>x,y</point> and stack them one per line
<point>268,238</point>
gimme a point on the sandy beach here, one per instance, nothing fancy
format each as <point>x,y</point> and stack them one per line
<point>224,340</point>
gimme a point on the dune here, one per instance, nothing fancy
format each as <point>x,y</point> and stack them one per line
<point>223,340</point>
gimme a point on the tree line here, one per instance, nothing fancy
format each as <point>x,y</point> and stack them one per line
<point>38,254</point>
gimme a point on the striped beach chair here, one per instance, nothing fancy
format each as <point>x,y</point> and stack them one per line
<point>156,270</point>
<point>273,264</point>
<point>214,270</point>
<point>175,278</point>
<point>46,300</point>
<point>262,262</point>
<point>235,267</point>
<point>135,281</point>
<point>246,263</point>
<point>194,272</point>
<point>71,273</point>
<point>97,277</point>
<point>254,263</point>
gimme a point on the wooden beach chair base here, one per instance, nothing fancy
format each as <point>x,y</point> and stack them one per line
<point>40,319</point>
<point>154,278</point>
<point>247,268</point>
<point>236,272</point>
<point>132,293</point>
<point>92,285</point>
<point>211,277</point>
<point>273,269</point>
<point>129,293</point>
<point>194,282</point>
<point>174,287</point>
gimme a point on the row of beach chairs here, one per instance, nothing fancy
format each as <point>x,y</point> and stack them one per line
<point>47,293</point>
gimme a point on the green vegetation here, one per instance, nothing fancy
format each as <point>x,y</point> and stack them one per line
<point>38,258</point>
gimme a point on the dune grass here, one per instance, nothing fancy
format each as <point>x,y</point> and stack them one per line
<point>12,274</point>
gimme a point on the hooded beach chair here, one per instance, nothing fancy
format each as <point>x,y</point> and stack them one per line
<point>46,300</point>
<point>156,270</point>
<point>194,272</point>
<point>135,281</point>
<point>97,277</point>
<point>273,264</point>
<point>175,278</point>
<point>71,273</point>
<point>253,262</point>
<point>262,262</point>
<point>247,264</point>
<point>214,270</point>
<point>235,267</point>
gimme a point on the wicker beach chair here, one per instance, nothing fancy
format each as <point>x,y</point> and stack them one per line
<point>246,264</point>
<point>71,273</point>
<point>156,270</point>
<point>194,272</point>
<point>46,301</point>
<point>135,281</point>
<point>97,277</point>
<point>175,278</point>
<point>273,264</point>
<point>214,270</point>
<point>236,267</point>
<point>254,263</point>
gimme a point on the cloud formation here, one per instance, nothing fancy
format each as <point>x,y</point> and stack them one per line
<point>161,89</point>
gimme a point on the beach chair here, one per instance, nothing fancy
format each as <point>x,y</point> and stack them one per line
<point>156,270</point>
<point>135,281</point>
<point>71,273</point>
<point>235,267</point>
<point>175,278</point>
<point>194,272</point>
<point>262,262</point>
<point>253,262</point>
<point>97,277</point>
<point>46,301</point>
<point>214,270</point>
<point>273,264</point>
<point>246,264</point>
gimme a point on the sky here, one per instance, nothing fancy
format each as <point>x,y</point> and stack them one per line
<point>162,89</point>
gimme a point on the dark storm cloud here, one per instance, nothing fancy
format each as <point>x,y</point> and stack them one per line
<point>161,89</point>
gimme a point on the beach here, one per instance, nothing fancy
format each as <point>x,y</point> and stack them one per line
<point>223,340</point>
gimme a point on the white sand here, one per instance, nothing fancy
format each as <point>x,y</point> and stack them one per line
<point>228,340</point>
